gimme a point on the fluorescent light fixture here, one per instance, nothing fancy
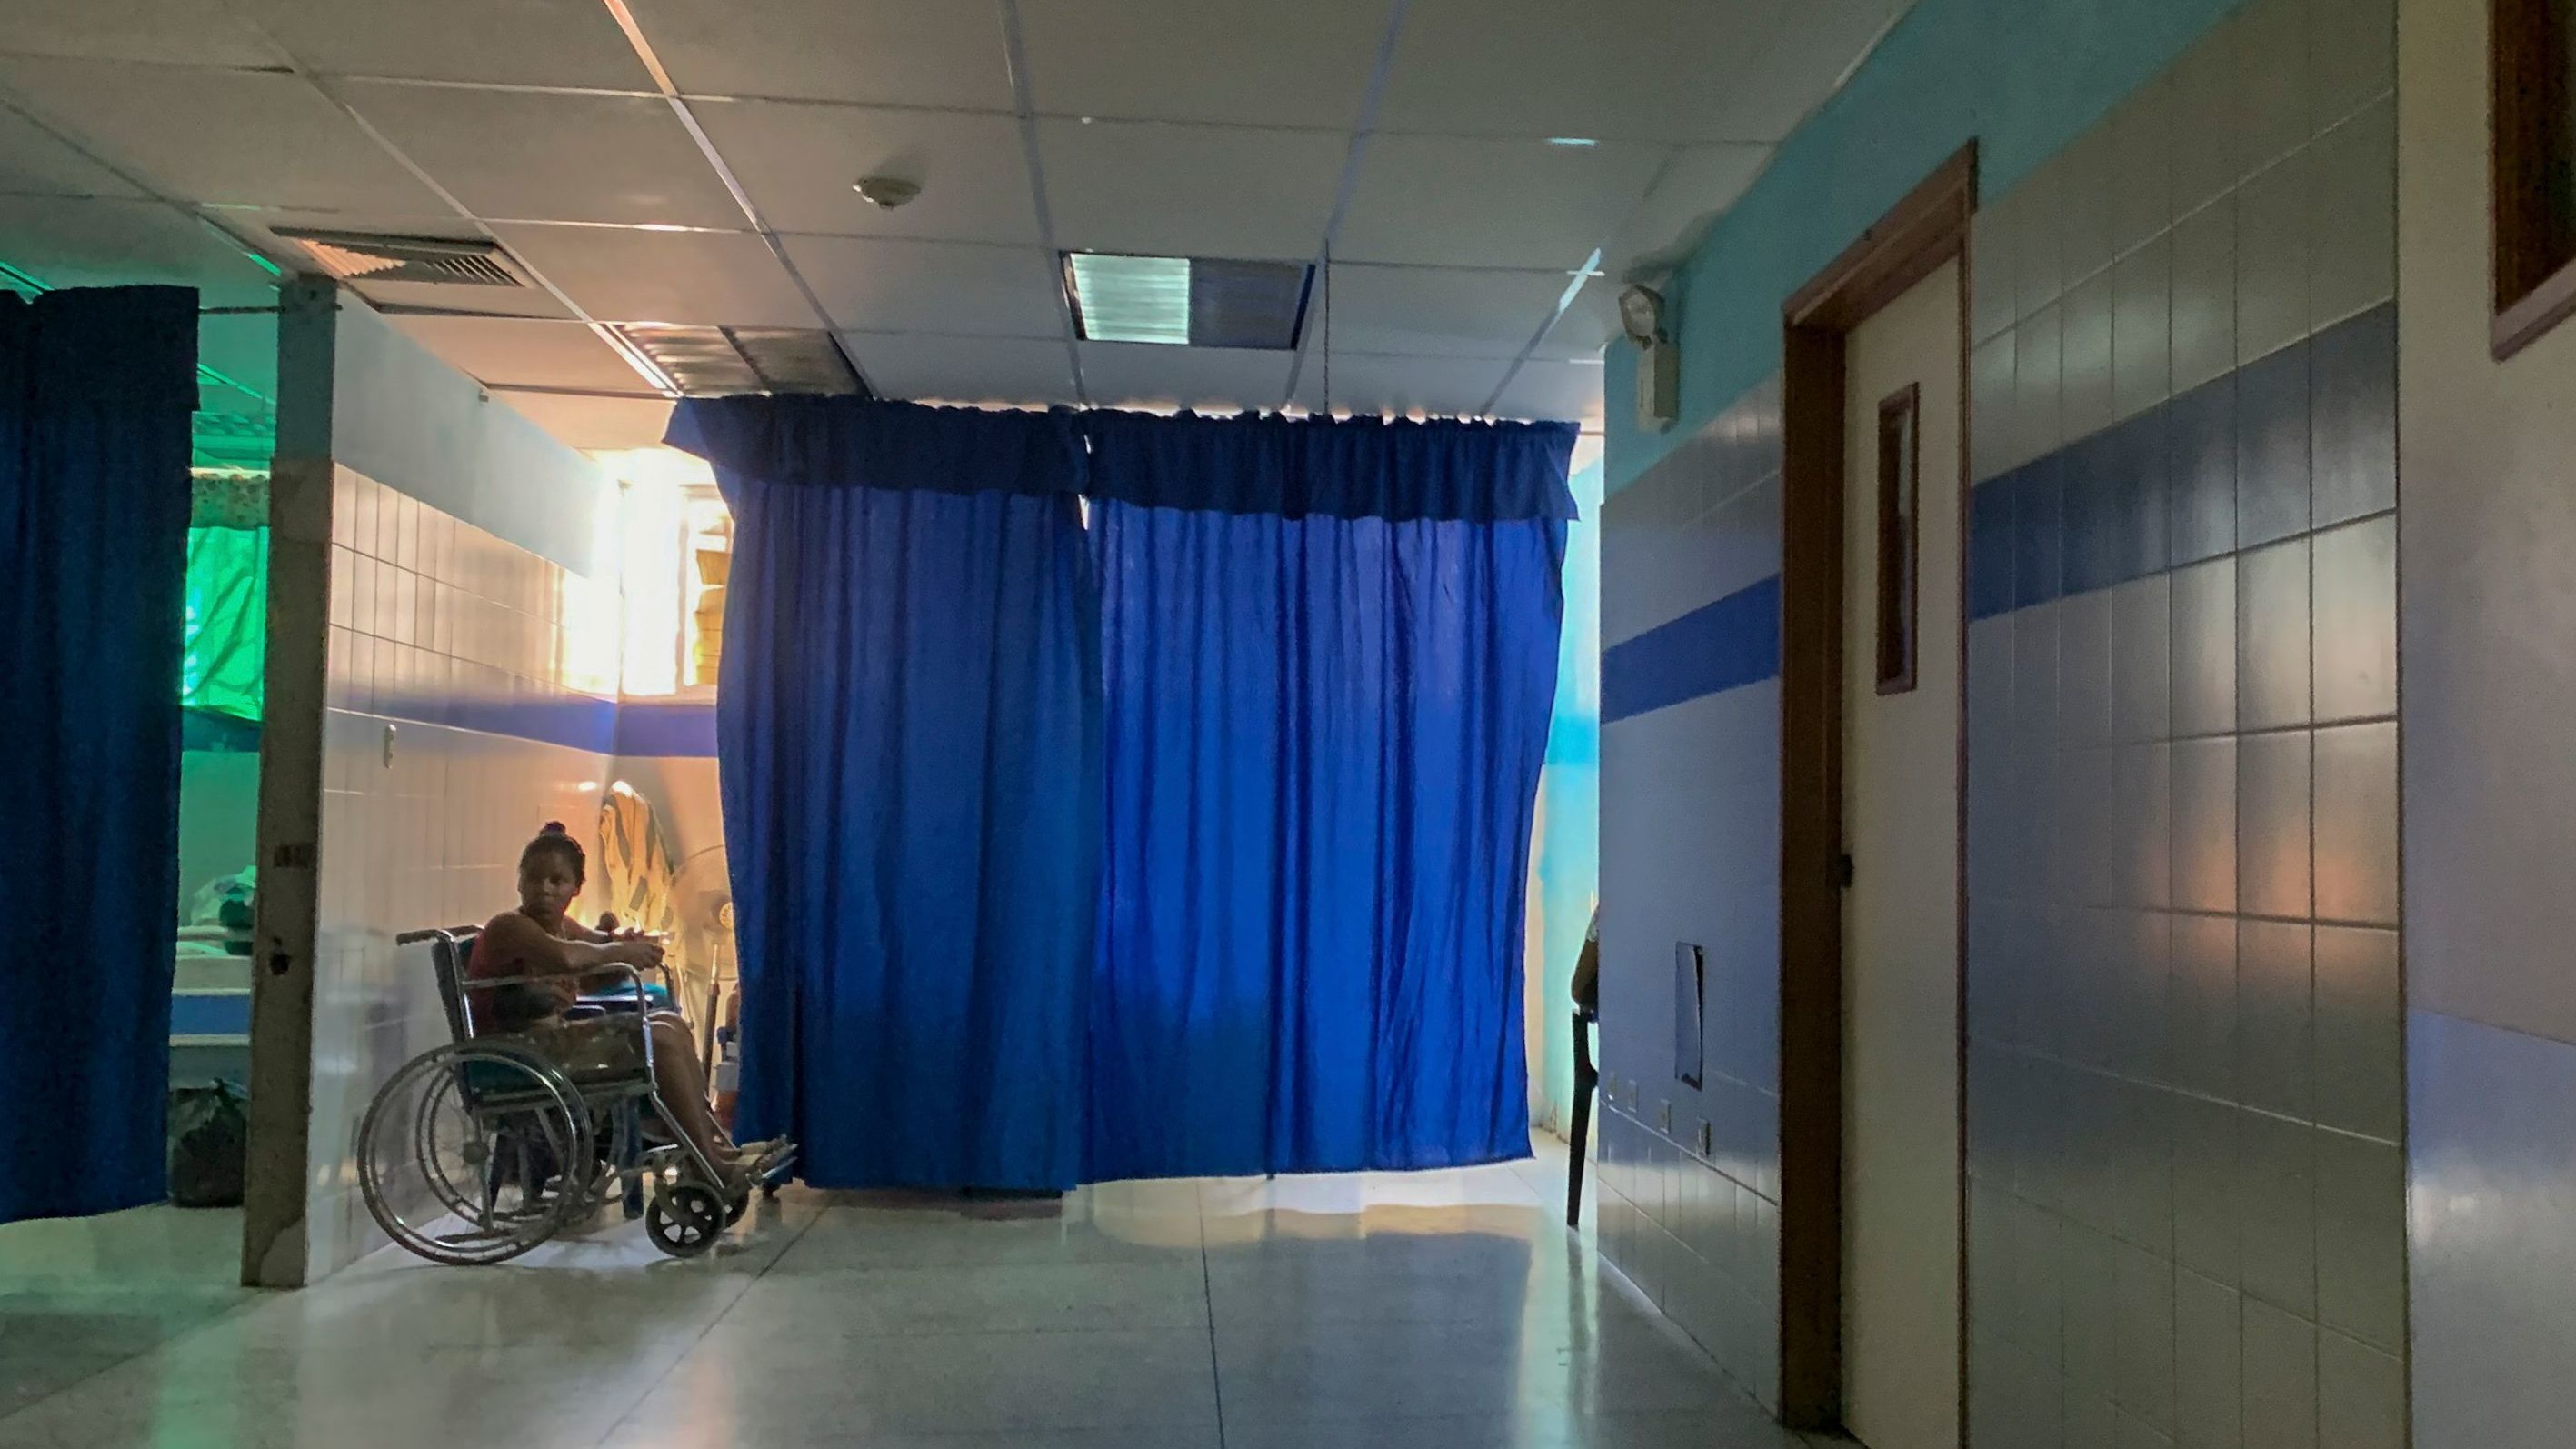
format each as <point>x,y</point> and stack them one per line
<point>1187,301</point>
<point>1574,142</point>
<point>1132,299</point>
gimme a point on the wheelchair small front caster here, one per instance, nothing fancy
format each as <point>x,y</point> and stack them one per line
<point>684,1219</point>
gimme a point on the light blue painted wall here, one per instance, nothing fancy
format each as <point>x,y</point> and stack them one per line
<point>410,421</point>
<point>2022,77</point>
<point>1566,871</point>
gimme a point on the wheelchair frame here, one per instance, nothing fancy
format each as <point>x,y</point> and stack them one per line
<point>689,1203</point>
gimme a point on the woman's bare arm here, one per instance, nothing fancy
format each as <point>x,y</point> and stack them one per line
<point>542,954</point>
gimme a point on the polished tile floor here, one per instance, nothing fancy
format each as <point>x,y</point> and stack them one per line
<point>1443,1310</point>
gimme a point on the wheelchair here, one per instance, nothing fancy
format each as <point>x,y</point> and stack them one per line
<point>479,1150</point>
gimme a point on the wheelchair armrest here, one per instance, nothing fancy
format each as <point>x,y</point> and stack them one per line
<point>583,1013</point>
<point>477,983</point>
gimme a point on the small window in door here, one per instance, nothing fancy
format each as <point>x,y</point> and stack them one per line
<point>2534,101</point>
<point>1899,457</point>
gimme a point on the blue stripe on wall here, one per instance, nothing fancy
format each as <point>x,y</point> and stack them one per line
<point>666,731</point>
<point>656,730</point>
<point>1716,647</point>
<point>2222,467</point>
<point>579,723</point>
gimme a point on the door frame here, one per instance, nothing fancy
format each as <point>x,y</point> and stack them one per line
<point>1913,239</point>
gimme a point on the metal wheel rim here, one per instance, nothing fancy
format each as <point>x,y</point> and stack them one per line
<point>685,1219</point>
<point>413,1192</point>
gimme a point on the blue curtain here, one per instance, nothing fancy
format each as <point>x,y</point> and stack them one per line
<point>96,388</point>
<point>907,733</point>
<point>1265,915</point>
<point>1323,736</point>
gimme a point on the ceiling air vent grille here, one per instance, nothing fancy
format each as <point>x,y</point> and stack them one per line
<point>365,257</point>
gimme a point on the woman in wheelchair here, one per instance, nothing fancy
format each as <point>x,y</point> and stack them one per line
<point>542,939</point>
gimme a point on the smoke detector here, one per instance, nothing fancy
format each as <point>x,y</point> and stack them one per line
<point>886,192</point>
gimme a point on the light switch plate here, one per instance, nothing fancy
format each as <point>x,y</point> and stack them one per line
<point>1664,1119</point>
<point>1707,1142</point>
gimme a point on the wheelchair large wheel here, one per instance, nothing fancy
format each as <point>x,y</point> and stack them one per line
<point>475,1153</point>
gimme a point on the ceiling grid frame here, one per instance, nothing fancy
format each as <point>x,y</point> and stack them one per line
<point>688,118</point>
<point>293,65</point>
<point>1436,71</point>
<point>1363,126</point>
<point>1015,56</point>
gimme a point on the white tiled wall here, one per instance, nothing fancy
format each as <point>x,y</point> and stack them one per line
<point>2490,785</point>
<point>2186,1208</point>
<point>1690,1176</point>
<point>434,624</point>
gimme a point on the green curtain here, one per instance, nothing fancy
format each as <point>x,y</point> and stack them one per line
<point>227,621</point>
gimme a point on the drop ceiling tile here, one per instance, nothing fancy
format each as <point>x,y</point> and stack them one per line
<point>184,32</point>
<point>1553,391</point>
<point>504,350</point>
<point>1625,69</point>
<point>1204,379</point>
<point>508,42</point>
<point>1438,311</point>
<point>1452,387</point>
<point>712,278</point>
<point>891,52</point>
<point>1254,65</point>
<point>871,285</point>
<point>34,162</point>
<point>1699,185</point>
<point>217,136</point>
<point>535,156</point>
<point>1176,190</point>
<point>66,242</point>
<point>1807,55</point>
<point>1007,370</point>
<point>594,422</point>
<point>1461,201</point>
<point>1590,321</point>
<point>798,162</point>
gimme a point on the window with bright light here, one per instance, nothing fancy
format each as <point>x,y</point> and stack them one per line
<point>673,538</point>
<point>709,553</point>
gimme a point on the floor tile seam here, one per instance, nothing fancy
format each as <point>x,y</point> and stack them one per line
<point>1207,1290</point>
<point>944,1334</point>
<point>644,1394</point>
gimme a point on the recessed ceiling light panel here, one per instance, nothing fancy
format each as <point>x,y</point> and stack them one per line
<point>1187,301</point>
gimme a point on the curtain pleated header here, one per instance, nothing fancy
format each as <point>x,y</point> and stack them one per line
<point>50,355</point>
<point>1399,470</point>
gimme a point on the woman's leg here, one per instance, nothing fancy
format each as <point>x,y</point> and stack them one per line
<point>683,1086</point>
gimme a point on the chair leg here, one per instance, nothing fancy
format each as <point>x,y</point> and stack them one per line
<point>1585,1080</point>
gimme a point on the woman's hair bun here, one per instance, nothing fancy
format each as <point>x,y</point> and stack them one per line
<point>554,827</point>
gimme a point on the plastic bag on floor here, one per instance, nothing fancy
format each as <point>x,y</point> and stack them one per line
<point>209,1141</point>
